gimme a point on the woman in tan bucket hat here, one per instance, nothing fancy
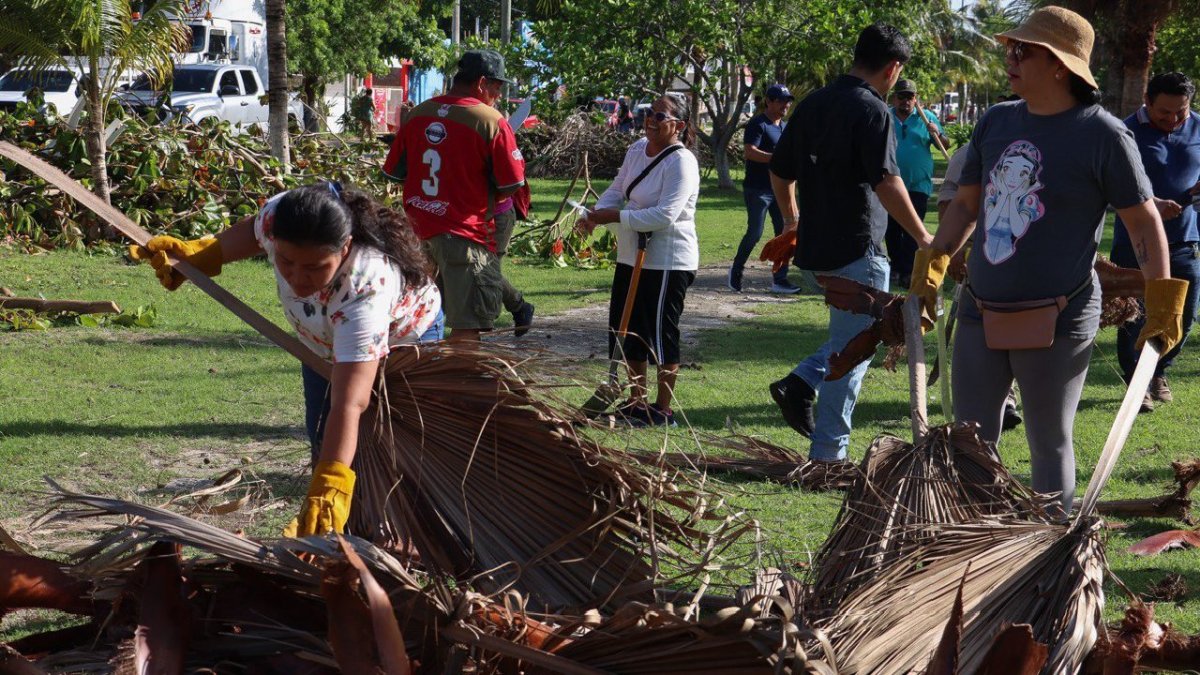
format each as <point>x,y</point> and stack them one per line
<point>1039,175</point>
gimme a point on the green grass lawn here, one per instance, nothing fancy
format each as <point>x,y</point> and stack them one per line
<point>120,411</point>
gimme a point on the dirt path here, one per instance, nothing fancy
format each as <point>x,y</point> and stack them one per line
<point>580,332</point>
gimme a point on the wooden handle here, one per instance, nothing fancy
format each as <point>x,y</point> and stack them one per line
<point>54,306</point>
<point>631,294</point>
<point>127,227</point>
<point>1119,433</point>
<point>937,140</point>
<point>914,343</point>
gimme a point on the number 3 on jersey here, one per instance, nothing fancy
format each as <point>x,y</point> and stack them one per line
<point>434,160</point>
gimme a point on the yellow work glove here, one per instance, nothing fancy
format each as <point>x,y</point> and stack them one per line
<point>929,268</point>
<point>327,506</point>
<point>204,254</point>
<point>1164,313</point>
<point>780,250</point>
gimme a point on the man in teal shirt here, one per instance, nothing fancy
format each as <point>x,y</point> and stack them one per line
<point>914,138</point>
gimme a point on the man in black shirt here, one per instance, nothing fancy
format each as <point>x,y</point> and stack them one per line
<point>839,147</point>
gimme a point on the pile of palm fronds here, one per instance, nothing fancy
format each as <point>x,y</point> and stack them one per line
<point>462,459</point>
<point>555,152</point>
<point>1011,572</point>
<point>904,492</point>
<point>324,605</point>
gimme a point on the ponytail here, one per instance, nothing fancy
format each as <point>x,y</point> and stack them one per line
<point>683,110</point>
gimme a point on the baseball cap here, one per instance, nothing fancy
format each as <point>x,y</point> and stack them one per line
<point>905,87</point>
<point>778,92</point>
<point>483,63</point>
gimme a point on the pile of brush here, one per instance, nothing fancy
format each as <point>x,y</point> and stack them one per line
<point>329,605</point>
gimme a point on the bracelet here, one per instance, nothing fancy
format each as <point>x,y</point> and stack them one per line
<point>790,220</point>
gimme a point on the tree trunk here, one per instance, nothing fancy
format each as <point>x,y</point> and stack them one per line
<point>277,89</point>
<point>94,138</point>
<point>1138,25</point>
<point>721,160</point>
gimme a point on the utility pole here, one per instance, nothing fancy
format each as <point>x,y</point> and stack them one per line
<point>505,37</point>
<point>456,23</point>
<point>505,21</point>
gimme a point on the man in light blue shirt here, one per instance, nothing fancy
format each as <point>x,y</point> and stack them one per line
<point>914,137</point>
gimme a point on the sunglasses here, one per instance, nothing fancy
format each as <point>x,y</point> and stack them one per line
<point>663,117</point>
<point>1018,51</point>
<point>906,97</point>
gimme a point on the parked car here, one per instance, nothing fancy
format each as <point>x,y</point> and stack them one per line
<point>204,92</point>
<point>60,87</point>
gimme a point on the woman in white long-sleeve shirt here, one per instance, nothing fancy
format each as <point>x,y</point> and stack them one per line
<point>659,200</point>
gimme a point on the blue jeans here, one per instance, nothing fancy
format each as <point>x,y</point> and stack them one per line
<point>1185,264</point>
<point>758,204</point>
<point>836,399</point>
<point>317,398</point>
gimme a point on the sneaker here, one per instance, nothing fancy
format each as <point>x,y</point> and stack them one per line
<point>816,474</point>
<point>523,319</point>
<point>785,287</point>
<point>795,400</point>
<point>1012,417</point>
<point>654,416</point>
<point>1159,391</point>
<point>734,280</point>
<point>1147,404</point>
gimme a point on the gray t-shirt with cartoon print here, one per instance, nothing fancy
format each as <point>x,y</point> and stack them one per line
<point>1045,183</point>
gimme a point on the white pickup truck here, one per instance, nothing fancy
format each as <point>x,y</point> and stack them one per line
<point>60,87</point>
<point>217,91</point>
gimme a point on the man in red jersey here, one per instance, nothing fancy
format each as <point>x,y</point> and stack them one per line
<point>457,157</point>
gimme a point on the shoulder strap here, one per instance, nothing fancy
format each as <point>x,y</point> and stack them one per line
<point>650,167</point>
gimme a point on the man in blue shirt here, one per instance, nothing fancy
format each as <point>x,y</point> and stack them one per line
<point>761,136</point>
<point>914,137</point>
<point>1168,137</point>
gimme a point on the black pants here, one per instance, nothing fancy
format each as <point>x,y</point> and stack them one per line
<point>654,324</point>
<point>900,244</point>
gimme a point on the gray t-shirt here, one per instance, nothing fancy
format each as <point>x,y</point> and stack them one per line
<point>1046,181</point>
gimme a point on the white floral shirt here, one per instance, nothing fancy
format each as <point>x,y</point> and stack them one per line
<point>363,313</point>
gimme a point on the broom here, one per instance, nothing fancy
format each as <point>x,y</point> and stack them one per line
<point>458,458</point>
<point>1012,571</point>
<point>903,490</point>
<point>606,394</point>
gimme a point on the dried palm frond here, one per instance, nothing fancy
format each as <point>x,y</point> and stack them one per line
<point>1142,644</point>
<point>650,639</point>
<point>462,459</point>
<point>755,458</point>
<point>1047,576</point>
<point>1175,504</point>
<point>902,494</point>
<point>256,604</point>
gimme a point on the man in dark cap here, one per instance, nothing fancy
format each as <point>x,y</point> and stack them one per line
<point>457,158</point>
<point>914,140</point>
<point>762,133</point>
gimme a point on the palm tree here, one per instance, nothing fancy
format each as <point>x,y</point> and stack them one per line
<point>277,84</point>
<point>100,38</point>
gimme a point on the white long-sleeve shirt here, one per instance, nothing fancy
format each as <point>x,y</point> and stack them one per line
<point>663,204</point>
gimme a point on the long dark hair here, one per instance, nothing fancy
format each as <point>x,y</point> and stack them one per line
<point>327,215</point>
<point>683,110</point>
<point>1081,91</point>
